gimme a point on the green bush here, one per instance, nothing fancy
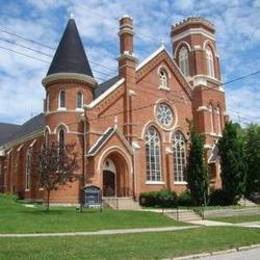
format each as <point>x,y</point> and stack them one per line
<point>185,199</point>
<point>219,198</point>
<point>160,199</point>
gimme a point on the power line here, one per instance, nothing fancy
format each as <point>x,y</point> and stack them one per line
<point>23,54</point>
<point>46,46</point>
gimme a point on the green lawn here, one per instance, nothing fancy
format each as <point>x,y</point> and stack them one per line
<point>16,218</point>
<point>130,246</point>
<point>238,219</point>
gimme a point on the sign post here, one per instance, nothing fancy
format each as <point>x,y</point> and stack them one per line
<point>91,198</point>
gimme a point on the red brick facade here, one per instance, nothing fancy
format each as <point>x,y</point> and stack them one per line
<point>128,108</point>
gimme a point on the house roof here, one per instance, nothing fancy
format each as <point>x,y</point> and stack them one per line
<point>101,141</point>
<point>103,87</point>
<point>7,131</point>
<point>70,56</point>
<point>10,132</point>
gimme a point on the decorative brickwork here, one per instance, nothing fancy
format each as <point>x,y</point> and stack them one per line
<point>111,127</point>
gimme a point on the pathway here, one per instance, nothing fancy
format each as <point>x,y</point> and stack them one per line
<point>101,232</point>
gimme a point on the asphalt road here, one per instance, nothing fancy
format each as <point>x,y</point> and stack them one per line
<point>252,254</point>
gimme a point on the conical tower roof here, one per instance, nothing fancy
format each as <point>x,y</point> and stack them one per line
<point>70,56</point>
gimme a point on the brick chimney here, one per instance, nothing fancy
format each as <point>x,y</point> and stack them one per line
<point>127,68</point>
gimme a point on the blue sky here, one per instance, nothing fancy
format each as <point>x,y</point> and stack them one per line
<point>21,93</point>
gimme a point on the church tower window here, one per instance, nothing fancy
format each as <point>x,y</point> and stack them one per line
<point>184,61</point>
<point>210,62</point>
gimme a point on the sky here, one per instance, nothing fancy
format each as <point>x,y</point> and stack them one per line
<point>237,25</point>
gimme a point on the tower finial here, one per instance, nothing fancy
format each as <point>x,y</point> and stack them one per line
<point>162,43</point>
<point>71,15</point>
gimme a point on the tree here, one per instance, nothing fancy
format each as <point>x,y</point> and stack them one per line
<point>252,148</point>
<point>233,162</point>
<point>197,175</point>
<point>55,166</point>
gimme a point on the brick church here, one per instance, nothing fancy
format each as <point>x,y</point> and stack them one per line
<point>131,131</point>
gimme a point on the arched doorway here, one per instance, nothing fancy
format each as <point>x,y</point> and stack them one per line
<point>109,178</point>
<point>115,176</point>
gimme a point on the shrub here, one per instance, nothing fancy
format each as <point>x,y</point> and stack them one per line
<point>219,197</point>
<point>185,199</point>
<point>160,199</point>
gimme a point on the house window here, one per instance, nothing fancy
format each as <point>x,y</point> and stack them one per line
<point>153,154</point>
<point>79,100</point>
<point>62,99</point>
<point>163,79</point>
<point>179,156</point>
<point>210,62</point>
<point>184,61</point>
<point>28,165</point>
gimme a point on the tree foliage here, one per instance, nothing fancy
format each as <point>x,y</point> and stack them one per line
<point>197,175</point>
<point>56,166</point>
<point>233,162</point>
<point>252,148</point>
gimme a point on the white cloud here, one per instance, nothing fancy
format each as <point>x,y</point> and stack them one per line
<point>237,26</point>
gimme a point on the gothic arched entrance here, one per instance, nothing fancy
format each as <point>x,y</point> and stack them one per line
<point>109,178</point>
<point>115,176</point>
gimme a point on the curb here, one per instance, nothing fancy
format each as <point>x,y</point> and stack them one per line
<point>221,252</point>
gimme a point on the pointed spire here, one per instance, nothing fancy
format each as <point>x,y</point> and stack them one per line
<point>70,56</point>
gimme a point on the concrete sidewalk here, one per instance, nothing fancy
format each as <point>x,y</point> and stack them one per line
<point>101,232</point>
<point>211,223</point>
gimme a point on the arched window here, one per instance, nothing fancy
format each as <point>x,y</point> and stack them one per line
<point>163,79</point>
<point>47,102</point>
<point>28,165</point>
<point>210,62</point>
<point>79,100</point>
<point>219,128</point>
<point>153,154</point>
<point>46,134</point>
<point>212,123</point>
<point>62,99</point>
<point>62,139</point>
<point>179,156</point>
<point>184,61</point>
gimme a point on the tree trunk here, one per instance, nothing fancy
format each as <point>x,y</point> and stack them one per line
<point>48,199</point>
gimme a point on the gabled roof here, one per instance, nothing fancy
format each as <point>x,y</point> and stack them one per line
<point>93,150</point>
<point>34,124</point>
<point>70,56</point>
<point>178,73</point>
<point>7,131</point>
<point>103,87</point>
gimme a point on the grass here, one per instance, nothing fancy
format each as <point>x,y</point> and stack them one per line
<point>131,246</point>
<point>16,218</point>
<point>238,219</point>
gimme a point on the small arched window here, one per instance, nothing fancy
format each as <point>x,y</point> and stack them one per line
<point>62,99</point>
<point>212,123</point>
<point>153,154</point>
<point>28,165</point>
<point>219,125</point>
<point>79,100</point>
<point>47,102</point>
<point>179,156</point>
<point>210,62</point>
<point>46,135</point>
<point>184,61</point>
<point>163,79</point>
<point>61,139</point>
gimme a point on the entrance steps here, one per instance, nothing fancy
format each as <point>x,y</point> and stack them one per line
<point>184,215</point>
<point>124,203</point>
